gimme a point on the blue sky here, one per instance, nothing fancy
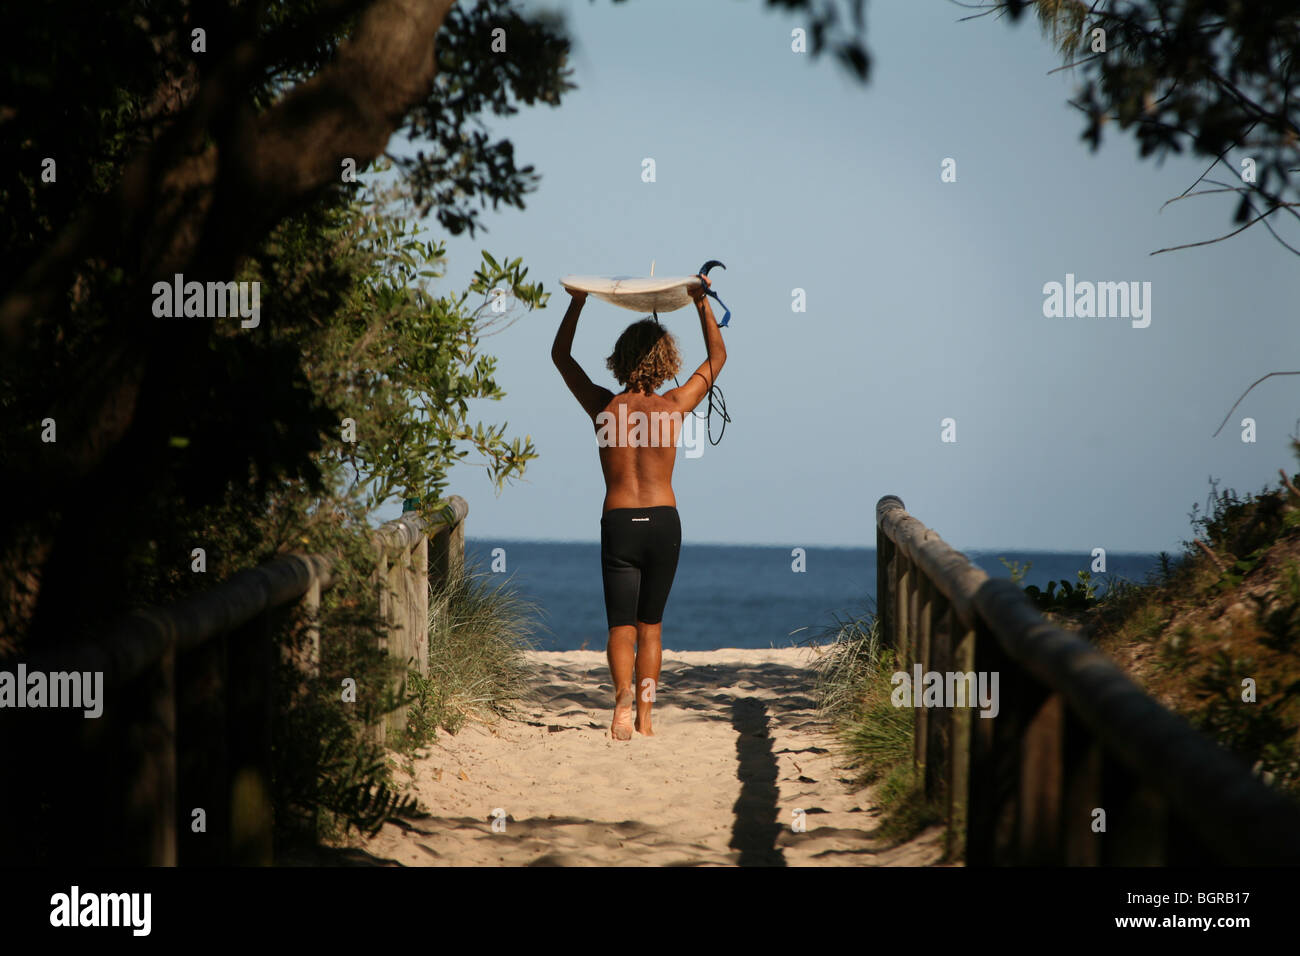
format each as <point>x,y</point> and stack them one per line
<point>924,298</point>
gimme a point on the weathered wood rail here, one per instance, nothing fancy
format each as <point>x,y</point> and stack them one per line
<point>1072,734</point>
<point>190,699</point>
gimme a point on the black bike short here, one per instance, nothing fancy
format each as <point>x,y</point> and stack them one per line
<point>638,559</point>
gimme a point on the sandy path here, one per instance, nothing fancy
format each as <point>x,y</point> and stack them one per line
<point>736,751</point>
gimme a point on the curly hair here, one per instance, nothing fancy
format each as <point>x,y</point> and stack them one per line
<point>645,356</point>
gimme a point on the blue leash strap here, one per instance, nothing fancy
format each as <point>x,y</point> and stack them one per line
<point>726,312</point>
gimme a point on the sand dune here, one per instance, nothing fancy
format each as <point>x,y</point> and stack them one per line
<point>736,752</point>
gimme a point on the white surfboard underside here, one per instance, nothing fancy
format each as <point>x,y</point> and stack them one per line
<point>638,293</point>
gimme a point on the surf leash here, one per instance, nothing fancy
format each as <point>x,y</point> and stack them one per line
<point>704,271</point>
<point>721,402</point>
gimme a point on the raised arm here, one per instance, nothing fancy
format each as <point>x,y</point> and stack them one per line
<point>590,396</point>
<point>691,392</point>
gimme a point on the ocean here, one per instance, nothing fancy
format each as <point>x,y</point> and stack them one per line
<point>735,595</point>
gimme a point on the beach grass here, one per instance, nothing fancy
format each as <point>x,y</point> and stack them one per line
<point>853,691</point>
<point>479,628</point>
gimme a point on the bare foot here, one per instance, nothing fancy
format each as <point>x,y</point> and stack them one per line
<point>643,726</point>
<point>621,727</point>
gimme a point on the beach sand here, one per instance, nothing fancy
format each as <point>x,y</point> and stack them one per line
<point>736,751</point>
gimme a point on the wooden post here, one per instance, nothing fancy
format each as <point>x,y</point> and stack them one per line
<point>1041,776</point>
<point>994,764</point>
<point>446,563</point>
<point>382,592</point>
<point>380,582</point>
<point>303,651</point>
<point>903,605</point>
<point>887,572</point>
<point>1135,818</point>
<point>924,604</point>
<point>149,827</point>
<point>1017,701</point>
<point>439,558</point>
<point>202,770</point>
<point>418,617</point>
<point>249,774</point>
<point>439,563</point>
<point>456,552</point>
<point>959,748</point>
<point>939,719</point>
<point>885,588</point>
<point>415,557</point>
<point>400,638</point>
<point>1081,788</point>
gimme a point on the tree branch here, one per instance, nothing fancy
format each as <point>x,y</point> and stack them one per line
<point>165,207</point>
<point>1243,395</point>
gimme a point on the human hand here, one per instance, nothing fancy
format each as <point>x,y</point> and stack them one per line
<point>700,291</point>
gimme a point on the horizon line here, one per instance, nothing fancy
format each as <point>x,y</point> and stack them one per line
<point>833,547</point>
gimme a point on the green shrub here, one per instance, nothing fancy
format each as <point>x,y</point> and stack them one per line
<point>1068,598</point>
<point>1262,733</point>
<point>1240,526</point>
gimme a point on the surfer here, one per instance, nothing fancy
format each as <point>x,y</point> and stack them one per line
<point>640,531</point>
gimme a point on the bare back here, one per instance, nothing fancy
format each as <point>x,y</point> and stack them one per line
<point>637,438</point>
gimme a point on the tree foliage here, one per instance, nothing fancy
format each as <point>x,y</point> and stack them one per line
<point>151,143</point>
<point>1211,77</point>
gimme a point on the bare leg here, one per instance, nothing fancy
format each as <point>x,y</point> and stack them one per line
<point>649,656</point>
<point>621,652</point>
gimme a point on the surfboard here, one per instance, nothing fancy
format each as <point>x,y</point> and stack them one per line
<point>638,293</point>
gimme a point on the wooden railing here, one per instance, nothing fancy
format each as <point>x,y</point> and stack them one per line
<point>1072,736</point>
<point>190,699</point>
<point>410,556</point>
